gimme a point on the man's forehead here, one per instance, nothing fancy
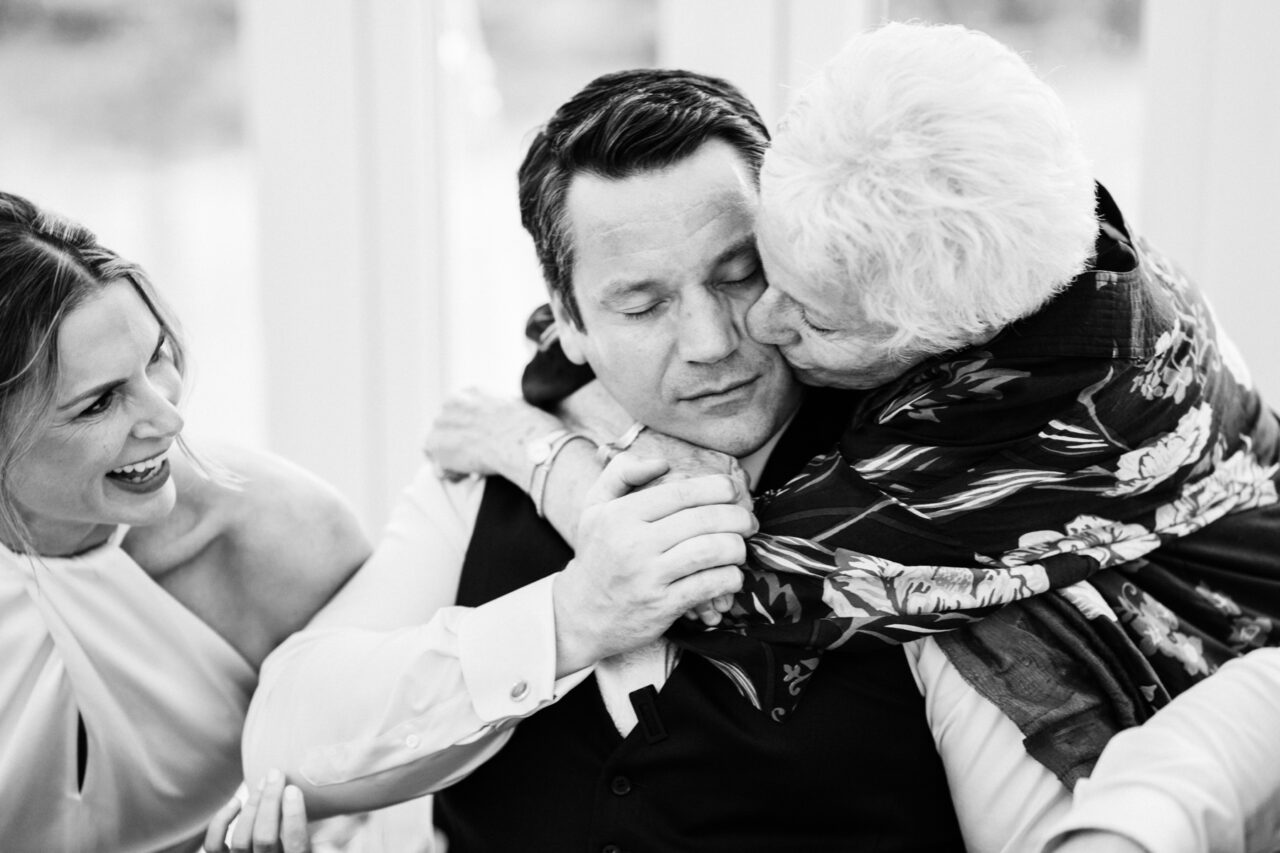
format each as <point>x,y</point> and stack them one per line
<point>678,221</point>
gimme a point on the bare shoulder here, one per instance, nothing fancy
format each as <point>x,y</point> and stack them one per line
<point>276,513</point>
<point>255,508</point>
<point>256,544</point>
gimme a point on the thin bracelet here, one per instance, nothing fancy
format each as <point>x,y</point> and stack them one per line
<point>542,471</point>
<point>606,452</point>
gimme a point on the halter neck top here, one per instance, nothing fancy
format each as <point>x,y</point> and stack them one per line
<point>162,697</point>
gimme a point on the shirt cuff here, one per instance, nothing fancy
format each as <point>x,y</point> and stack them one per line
<point>507,650</point>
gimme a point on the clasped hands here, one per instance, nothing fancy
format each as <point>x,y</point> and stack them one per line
<point>658,534</point>
<point>645,557</point>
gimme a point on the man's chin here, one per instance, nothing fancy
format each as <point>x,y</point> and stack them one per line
<point>735,439</point>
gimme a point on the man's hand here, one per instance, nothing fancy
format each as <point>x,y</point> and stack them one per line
<point>645,557</point>
<point>687,460</point>
<point>479,433</point>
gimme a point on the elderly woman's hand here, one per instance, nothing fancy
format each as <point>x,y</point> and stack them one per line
<point>480,433</point>
<point>273,820</point>
<point>687,460</point>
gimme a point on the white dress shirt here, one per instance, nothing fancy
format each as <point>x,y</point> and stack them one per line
<point>394,692</point>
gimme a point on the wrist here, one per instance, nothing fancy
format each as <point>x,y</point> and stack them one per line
<point>608,450</point>
<point>576,644</point>
<point>513,449</point>
<point>541,453</point>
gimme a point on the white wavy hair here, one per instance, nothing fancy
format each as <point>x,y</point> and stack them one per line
<point>930,171</point>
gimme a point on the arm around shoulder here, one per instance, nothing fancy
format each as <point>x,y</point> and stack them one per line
<point>1203,774</point>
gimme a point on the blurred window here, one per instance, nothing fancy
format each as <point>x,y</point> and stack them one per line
<point>1088,50</point>
<point>520,61</point>
<point>126,115</point>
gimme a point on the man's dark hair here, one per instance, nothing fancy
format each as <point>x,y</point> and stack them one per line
<point>620,125</point>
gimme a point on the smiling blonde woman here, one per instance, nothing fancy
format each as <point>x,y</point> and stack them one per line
<point>138,593</point>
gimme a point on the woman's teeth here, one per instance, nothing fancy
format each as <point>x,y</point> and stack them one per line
<point>139,472</point>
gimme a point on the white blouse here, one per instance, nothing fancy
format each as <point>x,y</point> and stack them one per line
<point>161,694</point>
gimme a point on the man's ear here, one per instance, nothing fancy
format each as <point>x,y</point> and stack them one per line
<point>570,335</point>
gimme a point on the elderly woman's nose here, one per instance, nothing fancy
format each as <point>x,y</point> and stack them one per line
<point>767,321</point>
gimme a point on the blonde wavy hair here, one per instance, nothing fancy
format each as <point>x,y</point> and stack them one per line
<point>932,174</point>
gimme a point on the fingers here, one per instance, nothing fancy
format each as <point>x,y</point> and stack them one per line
<point>666,498</point>
<point>274,820</point>
<point>242,835</point>
<point>293,822</point>
<point>699,554</point>
<point>215,837</point>
<point>710,612</point>
<point>707,614</point>
<point>622,475</point>
<point>695,589</point>
<point>266,824</point>
<point>700,520</point>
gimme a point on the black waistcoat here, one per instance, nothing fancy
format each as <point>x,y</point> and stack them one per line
<point>854,769</point>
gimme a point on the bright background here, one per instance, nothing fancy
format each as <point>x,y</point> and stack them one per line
<point>325,189</point>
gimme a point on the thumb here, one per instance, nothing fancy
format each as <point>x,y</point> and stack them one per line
<point>626,472</point>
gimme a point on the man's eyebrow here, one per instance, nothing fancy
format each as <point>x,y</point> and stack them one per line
<point>745,246</point>
<point>617,291</point>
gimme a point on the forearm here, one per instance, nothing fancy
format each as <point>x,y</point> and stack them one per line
<point>1203,774</point>
<point>362,719</point>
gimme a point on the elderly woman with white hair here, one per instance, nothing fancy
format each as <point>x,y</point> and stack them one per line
<point>1048,406</point>
<point>1045,395</point>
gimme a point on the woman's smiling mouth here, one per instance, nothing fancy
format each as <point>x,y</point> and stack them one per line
<point>142,472</point>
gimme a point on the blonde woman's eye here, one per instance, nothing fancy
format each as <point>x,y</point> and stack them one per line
<point>99,405</point>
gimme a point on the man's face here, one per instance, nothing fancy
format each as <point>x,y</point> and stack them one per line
<point>665,268</point>
<point>819,325</point>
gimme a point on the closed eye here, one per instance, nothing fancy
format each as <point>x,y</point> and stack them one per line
<point>641,313</point>
<point>818,329</point>
<point>750,278</point>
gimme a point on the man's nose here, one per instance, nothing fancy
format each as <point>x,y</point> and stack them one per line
<point>709,332</point>
<point>766,321</point>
